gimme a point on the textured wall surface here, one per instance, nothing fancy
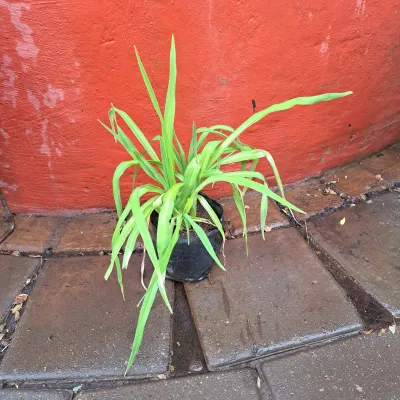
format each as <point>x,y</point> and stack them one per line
<point>63,61</point>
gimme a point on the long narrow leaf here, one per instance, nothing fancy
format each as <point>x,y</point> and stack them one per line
<point>119,171</point>
<point>204,239</point>
<point>298,101</point>
<point>149,88</point>
<point>147,241</point>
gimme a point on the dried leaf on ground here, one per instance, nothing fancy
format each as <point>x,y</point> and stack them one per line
<point>382,331</point>
<point>368,332</point>
<point>329,191</point>
<point>342,221</point>
<point>17,316</point>
<point>392,328</point>
<point>20,298</point>
<point>16,308</point>
<point>258,382</point>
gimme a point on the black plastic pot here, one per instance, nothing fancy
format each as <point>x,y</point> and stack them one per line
<point>192,263</point>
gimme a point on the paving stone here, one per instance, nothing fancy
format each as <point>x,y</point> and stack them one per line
<point>12,394</point>
<point>232,385</point>
<point>89,233</point>
<point>14,271</point>
<point>386,164</point>
<point>278,298</point>
<point>275,218</point>
<point>361,368</point>
<point>309,197</point>
<point>30,234</point>
<point>356,180</point>
<point>366,246</point>
<point>77,326</point>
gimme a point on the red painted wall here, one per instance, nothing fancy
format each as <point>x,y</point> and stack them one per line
<point>63,62</point>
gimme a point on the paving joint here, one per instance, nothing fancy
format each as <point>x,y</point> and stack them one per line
<point>371,312</point>
<point>10,322</point>
<point>55,235</point>
<point>187,356</point>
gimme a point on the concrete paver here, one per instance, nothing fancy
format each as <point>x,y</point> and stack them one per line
<point>355,181</point>
<point>386,164</point>
<point>275,218</point>
<point>366,246</point>
<point>14,271</point>
<point>14,394</point>
<point>280,297</point>
<point>77,326</point>
<point>89,233</point>
<point>30,235</point>
<point>309,196</point>
<point>360,368</point>
<point>232,385</point>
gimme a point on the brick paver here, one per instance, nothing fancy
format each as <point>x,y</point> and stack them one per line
<point>89,233</point>
<point>30,235</point>
<point>278,298</point>
<point>232,385</point>
<point>16,394</point>
<point>361,368</point>
<point>14,271</point>
<point>77,326</point>
<point>234,226</point>
<point>366,245</point>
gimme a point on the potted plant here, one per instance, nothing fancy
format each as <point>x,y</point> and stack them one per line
<point>177,221</point>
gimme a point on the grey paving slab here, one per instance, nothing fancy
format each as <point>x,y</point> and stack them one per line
<point>278,298</point>
<point>232,385</point>
<point>14,271</point>
<point>367,246</point>
<point>360,368</point>
<point>14,394</point>
<point>76,325</point>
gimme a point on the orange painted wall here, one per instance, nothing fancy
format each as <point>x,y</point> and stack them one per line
<point>63,62</point>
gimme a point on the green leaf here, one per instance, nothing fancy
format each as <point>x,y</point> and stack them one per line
<point>122,167</point>
<point>204,239</point>
<point>148,243</point>
<point>164,217</point>
<point>240,179</point>
<point>147,304</point>
<point>169,117</point>
<point>148,86</point>
<point>193,144</point>
<point>138,134</point>
<point>238,198</point>
<point>212,214</point>
<point>298,101</point>
<point>263,212</point>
